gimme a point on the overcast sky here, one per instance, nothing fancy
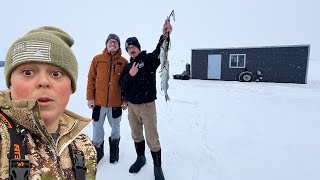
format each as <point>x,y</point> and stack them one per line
<point>199,24</point>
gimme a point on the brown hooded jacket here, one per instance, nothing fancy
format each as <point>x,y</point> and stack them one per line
<point>103,79</point>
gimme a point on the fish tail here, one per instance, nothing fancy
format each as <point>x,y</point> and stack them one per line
<point>167,97</point>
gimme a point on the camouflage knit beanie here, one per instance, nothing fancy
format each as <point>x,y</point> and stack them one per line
<point>46,44</point>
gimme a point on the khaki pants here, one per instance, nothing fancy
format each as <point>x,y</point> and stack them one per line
<point>140,115</point>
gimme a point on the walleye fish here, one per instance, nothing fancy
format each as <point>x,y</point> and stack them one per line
<point>163,55</point>
<point>164,70</point>
<point>164,66</point>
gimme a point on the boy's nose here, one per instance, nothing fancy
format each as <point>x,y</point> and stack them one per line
<point>43,82</point>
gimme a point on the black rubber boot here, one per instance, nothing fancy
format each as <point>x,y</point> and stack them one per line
<point>100,152</point>
<point>141,159</point>
<point>114,150</point>
<point>158,174</point>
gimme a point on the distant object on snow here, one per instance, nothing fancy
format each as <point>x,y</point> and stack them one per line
<point>283,64</point>
<point>1,63</point>
<point>185,75</point>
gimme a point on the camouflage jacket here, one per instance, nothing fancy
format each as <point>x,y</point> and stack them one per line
<point>49,159</point>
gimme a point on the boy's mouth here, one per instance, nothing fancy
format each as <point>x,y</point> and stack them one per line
<point>44,100</point>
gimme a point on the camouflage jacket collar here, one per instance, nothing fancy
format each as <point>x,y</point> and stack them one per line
<point>26,113</point>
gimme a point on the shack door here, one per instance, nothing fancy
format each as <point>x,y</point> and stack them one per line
<point>214,66</point>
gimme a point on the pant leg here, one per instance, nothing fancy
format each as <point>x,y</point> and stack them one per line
<point>149,117</point>
<point>114,124</point>
<point>98,129</point>
<point>135,122</point>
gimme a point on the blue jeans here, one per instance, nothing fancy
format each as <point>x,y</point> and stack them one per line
<point>98,129</point>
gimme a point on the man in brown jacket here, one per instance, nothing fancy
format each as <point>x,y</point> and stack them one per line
<point>104,96</point>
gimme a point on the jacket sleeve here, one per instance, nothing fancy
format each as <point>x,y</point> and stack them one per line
<point>91,81</point>
<point>155,54</point>
<point>122,91</point>
<point>90,156</point>
<point>4,150</point>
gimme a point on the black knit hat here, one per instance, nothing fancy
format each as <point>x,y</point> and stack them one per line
<point>113,36</point>
<point>132,41</point>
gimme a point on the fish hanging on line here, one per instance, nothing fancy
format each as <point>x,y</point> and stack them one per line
<point>164,66</point>
<point>164,71</point>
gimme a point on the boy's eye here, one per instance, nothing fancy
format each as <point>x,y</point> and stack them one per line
<point>27,72</point>
<point>57,74</point>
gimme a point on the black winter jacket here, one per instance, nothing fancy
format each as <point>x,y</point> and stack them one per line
<point>141,88</point>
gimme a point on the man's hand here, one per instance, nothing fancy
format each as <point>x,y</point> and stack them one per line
<point>124,105</point>
<point>91,104</point>
<point>167,28</point>
<point>134,69</point>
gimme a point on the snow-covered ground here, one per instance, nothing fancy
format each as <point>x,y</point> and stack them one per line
<point>225,130</point>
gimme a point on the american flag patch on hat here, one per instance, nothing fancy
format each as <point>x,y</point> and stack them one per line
<point>31,51</point>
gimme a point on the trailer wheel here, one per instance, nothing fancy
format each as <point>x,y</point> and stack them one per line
<point>245,76</point>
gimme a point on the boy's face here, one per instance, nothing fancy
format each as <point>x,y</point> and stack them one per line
<point>49,84</point>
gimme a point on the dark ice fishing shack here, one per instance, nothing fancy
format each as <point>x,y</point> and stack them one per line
<point>283,64</point>
<point>1,63</point>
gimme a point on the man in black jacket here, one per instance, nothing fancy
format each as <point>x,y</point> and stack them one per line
<point>138,83</point>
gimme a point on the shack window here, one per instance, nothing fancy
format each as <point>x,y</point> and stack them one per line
<point>237,61</point>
